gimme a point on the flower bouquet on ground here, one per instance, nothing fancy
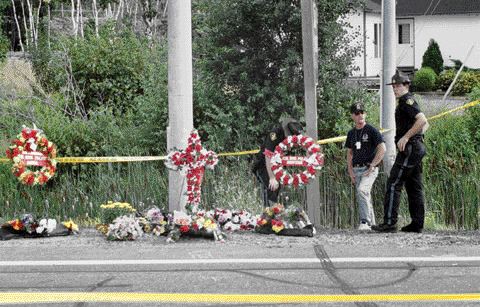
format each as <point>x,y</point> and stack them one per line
<point>110,211</point>
<point>199,224</point>
<point>285,222</point>
<point>124,228</point>
<point>154,221</point>
<point>28,227</point>
<point>234,220</point>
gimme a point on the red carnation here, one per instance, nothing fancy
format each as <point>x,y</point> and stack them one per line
<point>295,181</point>
<point>285,180</point>
<point>8,153</point>
<point>294,139</point>
<point>304,178</point>
<point>311,170</point>
<point>279,175</point>
<point>29,179</point>
<point>42,179</point>
<point>198,147</point>
<point>19,172</point>
<point>18,142</point>
<point>184,228</point>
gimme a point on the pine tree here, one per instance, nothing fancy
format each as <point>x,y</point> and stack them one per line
<point>433,57</point>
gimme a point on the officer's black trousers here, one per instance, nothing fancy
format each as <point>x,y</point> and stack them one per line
<point>406,171</point>
<point>269,197</point>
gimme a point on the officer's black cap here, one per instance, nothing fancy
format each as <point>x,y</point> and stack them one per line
<point>357,107</point>
<point>399,78</point>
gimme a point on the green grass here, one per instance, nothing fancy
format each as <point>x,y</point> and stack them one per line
<point>77,192</point>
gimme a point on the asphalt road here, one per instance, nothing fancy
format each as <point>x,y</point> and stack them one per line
<point>354,266</point>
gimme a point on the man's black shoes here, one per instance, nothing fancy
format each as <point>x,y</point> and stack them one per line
<point>384,228</point>
<point>412,228</point>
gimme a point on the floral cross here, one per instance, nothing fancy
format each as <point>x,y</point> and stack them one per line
<point>193,160</point>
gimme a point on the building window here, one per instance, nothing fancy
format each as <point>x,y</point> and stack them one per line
<point>377,41</point>
<point>404,33</point>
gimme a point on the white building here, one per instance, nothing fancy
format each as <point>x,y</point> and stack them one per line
<point>453,24</point>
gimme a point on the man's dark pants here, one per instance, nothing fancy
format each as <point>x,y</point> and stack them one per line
<point>269,197</point>
<point>406,171</point>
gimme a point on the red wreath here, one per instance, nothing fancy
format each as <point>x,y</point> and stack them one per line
<point>31,147</point>
<point>312,162</point>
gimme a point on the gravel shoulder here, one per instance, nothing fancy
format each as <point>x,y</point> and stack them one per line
<point>91,237</point>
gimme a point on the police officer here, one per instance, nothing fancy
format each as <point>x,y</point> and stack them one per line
<point>410,123</point>
<point>262,167</point>
<point>365,150</point>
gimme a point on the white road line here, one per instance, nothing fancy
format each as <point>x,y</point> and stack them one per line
<point>38,263</point>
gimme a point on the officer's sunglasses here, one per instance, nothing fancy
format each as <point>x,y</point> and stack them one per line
<point>358,112</point>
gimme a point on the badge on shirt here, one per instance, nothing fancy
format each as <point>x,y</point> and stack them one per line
<point>273,136</point>
<point>358,145</point>
<point>410,101</point>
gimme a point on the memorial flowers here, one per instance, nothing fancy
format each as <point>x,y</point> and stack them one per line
<point>27,226</point>
<point>124,228</point>
<point>289,221</point>
<point>32,148</point>
<point>193,161</point>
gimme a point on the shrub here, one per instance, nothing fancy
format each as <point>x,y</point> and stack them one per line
<point>433,57</point>
<point>445,79</point>
<point>425,79</point>
<point>104,71</point>
<point>465,83</point>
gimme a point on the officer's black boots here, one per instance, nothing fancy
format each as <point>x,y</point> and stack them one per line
<point>412,228</point>
<point>384,228</point>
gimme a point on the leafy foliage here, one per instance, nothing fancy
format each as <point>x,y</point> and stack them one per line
<point>433,57</point>
<point>445,79</point>
<point>103,71</point>
<point>250,72</point>
<point>466,82</point>
<point>425,79</point>
<point>4,48</point>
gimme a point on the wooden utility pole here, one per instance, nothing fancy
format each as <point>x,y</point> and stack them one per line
<point>180,92</point>
<point>310,75</point>
<point>389,65</point>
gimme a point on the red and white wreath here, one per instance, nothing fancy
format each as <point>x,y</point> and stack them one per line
<point>312,162</point>
<point>32,148</point>
<point>193,160</point>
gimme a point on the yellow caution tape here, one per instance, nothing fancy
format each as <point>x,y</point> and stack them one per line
<point>225,154</point>
<point>108,159</point>
<point>465,106</point>
<point>130,297</point>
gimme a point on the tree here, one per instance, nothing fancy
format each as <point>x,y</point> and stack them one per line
<point>433,57</point>
<point>248,60</point>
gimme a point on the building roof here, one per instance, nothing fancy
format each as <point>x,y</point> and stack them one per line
<point>429,7</point>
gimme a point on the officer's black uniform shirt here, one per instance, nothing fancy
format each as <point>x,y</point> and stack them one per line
<point>274,137</point>
<point>407,109</point>
<point>369,138</point>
